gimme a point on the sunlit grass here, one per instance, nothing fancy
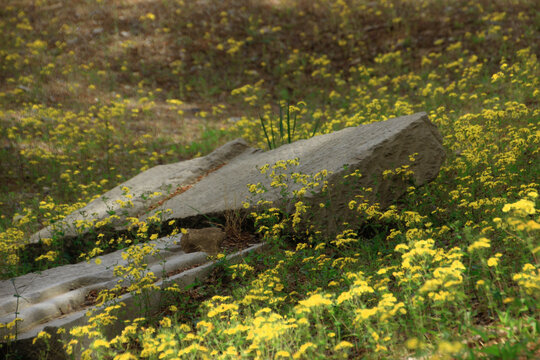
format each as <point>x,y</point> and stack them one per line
<point>95,92</point>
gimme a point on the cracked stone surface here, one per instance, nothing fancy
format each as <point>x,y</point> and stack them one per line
<point>217,182</point>
<point>61,290</point>
<point>56,297</point>
<point>370,149</point>
<point>165,179</point>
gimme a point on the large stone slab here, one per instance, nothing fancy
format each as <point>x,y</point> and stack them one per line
<point>218,182</point>
<point>59,291</point>
<point>56,297</point>
<point>370,149</point>
<point>164,179</point>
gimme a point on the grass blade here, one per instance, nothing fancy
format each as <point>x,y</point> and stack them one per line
<point>294,124</point>
<point>280,122</point>
<point>289,120</point>
<point>272,133</point>
<point>265,132</point>
<point>316,127</point>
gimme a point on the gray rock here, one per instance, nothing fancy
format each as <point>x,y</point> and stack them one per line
<point>97,31</point>
<point>218,182</point>
<point>55,298</point>
<point>62,290</point>
<point>162,178</point>
<point>208,240</point>
<point>370,149</point>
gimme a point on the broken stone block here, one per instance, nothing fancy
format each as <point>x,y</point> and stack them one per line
<point>61,297</point>
<point>208,240</point>
<point>218,182</point>
<point>146,190</point>
<point>368,149</point>
<point>62,290</point>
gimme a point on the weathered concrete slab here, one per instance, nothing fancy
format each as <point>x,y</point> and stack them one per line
<point>59,291</point>
<point>217,182</point>
<point>153,301</point>
<point>370,149</point>
<point>162,178</point>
